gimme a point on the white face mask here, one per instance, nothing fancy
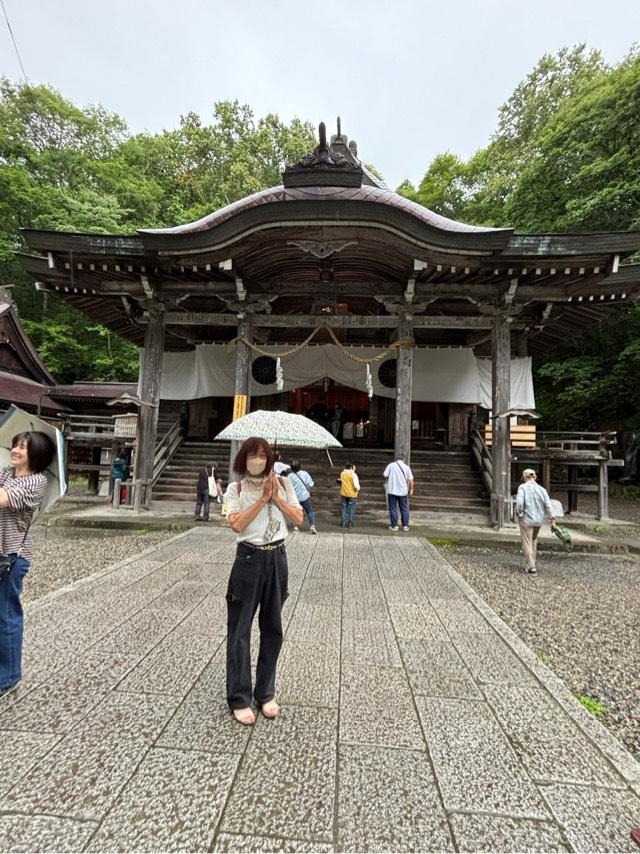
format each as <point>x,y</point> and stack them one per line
<point>256,466</point>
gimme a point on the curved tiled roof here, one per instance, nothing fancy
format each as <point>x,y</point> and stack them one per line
<point>382,196</point>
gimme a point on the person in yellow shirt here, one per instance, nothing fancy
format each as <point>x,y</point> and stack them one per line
<point>349,489</point>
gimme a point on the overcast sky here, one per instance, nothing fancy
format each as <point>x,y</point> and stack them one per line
<point>410,78</point>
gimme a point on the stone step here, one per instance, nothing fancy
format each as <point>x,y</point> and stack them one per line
<point>447,481</point>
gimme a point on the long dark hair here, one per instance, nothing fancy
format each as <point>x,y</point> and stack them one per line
<point>252,446</point>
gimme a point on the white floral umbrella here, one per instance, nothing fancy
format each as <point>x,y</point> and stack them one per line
<point>279,428</point>
<point>16,421</point>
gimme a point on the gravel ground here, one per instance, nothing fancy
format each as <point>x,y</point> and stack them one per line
<point>63,555</point>
<point>580,614</point>
<point>619,508</point>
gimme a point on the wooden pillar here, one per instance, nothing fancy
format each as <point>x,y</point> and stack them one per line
<point>242,396</point>
<point>603,491</point>
<point>501,443</point>
<point>546,474</point>
<point>404,387</point>
<point>373,419</point>
<point>149,391</point>
<point>522,344</point>
<point>93,482</point>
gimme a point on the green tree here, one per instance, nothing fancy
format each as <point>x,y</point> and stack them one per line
<point>586,175</point>
<point>442,188</point>
<point>77,169</point>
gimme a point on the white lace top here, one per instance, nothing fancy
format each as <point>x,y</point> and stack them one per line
<point>270,524</point>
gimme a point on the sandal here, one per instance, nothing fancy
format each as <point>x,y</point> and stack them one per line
<point>270,709</point>
<point>244,716</point>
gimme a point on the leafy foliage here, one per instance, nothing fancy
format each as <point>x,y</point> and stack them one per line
<point>565,157</point>
<point>73,169</point>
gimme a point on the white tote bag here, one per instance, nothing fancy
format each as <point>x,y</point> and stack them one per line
<point>213,486</point>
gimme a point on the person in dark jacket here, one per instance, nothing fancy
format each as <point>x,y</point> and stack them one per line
<point>203,498</point>
<point>119,471</point>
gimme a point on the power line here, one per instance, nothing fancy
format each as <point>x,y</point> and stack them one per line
<point>6,17</point>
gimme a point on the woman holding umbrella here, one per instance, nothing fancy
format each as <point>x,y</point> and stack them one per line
<point>258,509</point>
<point>22,488</point>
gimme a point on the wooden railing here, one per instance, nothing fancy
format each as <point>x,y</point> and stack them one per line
<point>139,492</point>
<point>84,428</point>
<point>590,443</point>
<point>165,449</point>
<point>482,456</point>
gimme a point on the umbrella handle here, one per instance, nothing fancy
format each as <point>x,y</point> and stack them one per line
<point>329,455</point>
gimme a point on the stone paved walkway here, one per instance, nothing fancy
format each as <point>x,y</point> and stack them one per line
<point>413,718</point>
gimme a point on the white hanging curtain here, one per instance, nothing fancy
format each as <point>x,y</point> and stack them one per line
<point>439,375</point>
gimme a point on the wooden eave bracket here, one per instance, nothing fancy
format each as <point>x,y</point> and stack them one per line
<point>511,292</point>
<point>148,290</point>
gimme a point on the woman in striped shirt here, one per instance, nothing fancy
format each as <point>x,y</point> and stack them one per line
<point>22,488</point>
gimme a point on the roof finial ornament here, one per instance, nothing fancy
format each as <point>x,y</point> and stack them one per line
<point>322,150</point>
<point>324,166</point>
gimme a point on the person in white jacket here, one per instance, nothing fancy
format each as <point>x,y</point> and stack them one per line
<point>532,505</point>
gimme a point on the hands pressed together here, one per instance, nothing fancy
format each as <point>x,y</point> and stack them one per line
<point>270,488</point>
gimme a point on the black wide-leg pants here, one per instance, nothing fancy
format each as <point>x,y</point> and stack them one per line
<point>259,578</point>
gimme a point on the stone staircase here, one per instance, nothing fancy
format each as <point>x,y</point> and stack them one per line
<point>448,486</point>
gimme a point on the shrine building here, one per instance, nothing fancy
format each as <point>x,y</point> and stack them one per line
<point>331,290</point>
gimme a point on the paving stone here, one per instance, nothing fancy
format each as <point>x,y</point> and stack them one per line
<point>205,725</point>
<point>416,621</point>
<point>548,743</point>
<point>210,686</point>
<point>435,669</point>
<point>388,801</point>
<point>42,664</point>
<point>141,632</point>
<point>404,590</point>
<point>82,775</point>
<point>19,752</point>
<point>311,623</point>
<point>376,707</point>
<point>309,674</point>
<point>368,642</point>
<point>595,819</point>
<point>207,618</point>
<point>459,615</point>
<point>172,667</point>
<point>437,584</point>
<point>49,708</point>
<point>490,660</point>
<point>79,778</point>
<point>231,842</point>
<point>31,833</point>
<point>286,783</point>
<point>367,604</point>
<point>183,596</point>
<point>135,716</point>
<point>179,815</point>
<point>320,591</point>
<point>496,833</point>
<point>474,762</point>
